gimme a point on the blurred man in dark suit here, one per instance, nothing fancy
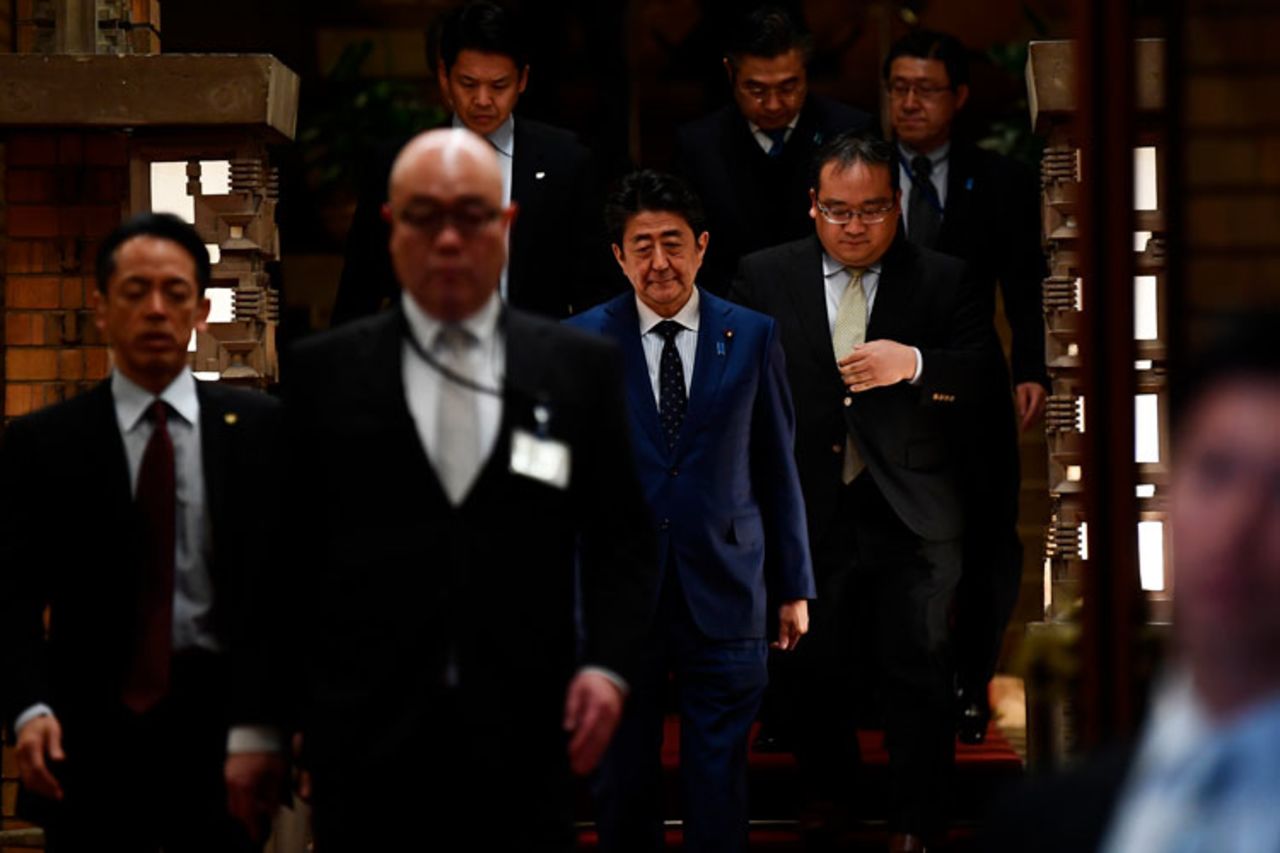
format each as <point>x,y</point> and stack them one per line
<point>749,161</point>
<point>883,341</point>
<point>478,495</point>
<point>482,70</point>
<point>1204,775</point>
<point>984,208</point>
<point>713,429</point>
<point>139,514</point>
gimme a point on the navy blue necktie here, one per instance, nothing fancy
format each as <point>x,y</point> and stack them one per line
<point>924,222</point>
<point>673,400</point>
<point>779,139</point>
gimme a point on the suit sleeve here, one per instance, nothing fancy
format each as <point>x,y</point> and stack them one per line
<point>1021,277</point>
<point>23,655</point>
<point>776,481</point>
<point>367,277</point>
<point>951,370</point>
<point>618,560</point>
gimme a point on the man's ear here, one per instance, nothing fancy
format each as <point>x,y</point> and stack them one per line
<point>962,96</point>
<point>618,255</point>
<point>703,239</point>
<point>523,81</point>
<point>385,210</point>
<point>728,68</point>
<point>98,302</point>
<point>202,314</point>
<point>813,205</point>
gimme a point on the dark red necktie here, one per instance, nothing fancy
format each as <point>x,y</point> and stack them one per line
<point>147,680</point>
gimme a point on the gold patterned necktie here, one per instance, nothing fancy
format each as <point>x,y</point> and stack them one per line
<point>850,330</point>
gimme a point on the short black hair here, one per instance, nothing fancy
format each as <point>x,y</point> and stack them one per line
<point>483,27</point>
<point>165,226</point>
<point>928,44</point>
<point>845,149</point>
<point>649,190</point>
<point>1243,347</point>
<point>766,32</point>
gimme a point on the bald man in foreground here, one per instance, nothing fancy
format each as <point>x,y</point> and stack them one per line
<point>470,448</point>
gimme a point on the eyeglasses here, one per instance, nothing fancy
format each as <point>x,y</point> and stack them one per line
<point>785,91</point>
<point>467,220</point>
<point>868,215</point>
<point>924,91</point>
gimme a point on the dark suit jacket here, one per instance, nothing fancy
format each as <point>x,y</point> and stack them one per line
<point>902,431</point>
<point>727,498</point>
<point>69,537</point>
<point>559,260</point>
<point>752,200</point>
<point>993,222</point>
<point>397,580</point>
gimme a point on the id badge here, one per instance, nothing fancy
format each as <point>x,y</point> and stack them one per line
<point>538,458</point>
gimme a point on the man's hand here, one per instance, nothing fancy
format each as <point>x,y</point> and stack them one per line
<point>39,742</point>
<point>591,712</point>
<point>793,623</point>
<point>253,790</point>
<point>1031,400</point>
<point>876,364</point>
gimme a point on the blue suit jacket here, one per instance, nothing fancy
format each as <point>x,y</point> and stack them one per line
<point>726,499</point>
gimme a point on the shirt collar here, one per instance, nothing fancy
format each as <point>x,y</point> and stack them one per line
<point>830,266</point>
<point>503,139</point>
<point>935,156</point>
<point>791,125</point>
<point>483,324</point>
<point>686,316</point>
<point>132,400</point>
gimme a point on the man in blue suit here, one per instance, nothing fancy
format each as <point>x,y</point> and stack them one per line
<point>713,431</point>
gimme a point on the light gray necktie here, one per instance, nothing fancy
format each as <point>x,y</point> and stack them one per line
<point>850,330</point>
<point>457,456</point>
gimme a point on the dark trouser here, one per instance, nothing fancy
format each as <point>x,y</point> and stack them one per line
<point>719,684</point>
<point>882,608</point>
<point>142,782</point>
<point>466,782</point>
<point>992,573</point>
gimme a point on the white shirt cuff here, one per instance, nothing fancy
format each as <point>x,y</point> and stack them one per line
<point>617,680</point>
<point>254,739</point>
<point>915,379</point>
<point>37,710</point>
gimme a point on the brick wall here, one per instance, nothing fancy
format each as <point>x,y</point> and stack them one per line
<point>6,26</point>
<point>62,193</point>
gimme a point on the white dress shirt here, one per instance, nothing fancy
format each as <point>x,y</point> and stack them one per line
<point>836,277</point>
<point>503,140</point>
<point>486,365</point>
<point>762,138</point>
<point>686,340</point>
<point>940,159</point>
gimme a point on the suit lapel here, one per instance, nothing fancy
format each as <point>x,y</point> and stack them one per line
<point>809,297</point>
<point>385,387</point>
<point>526,164</point>
<point>215,454</point>
<point>894,293</point>
<point>623,325</point>
<point>708,364</point>
<point>105,447</point>
<point>959,199</point>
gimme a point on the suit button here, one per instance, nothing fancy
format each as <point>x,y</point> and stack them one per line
<point>665,524</point>
<point>674,472</point>
<point>848,401</point>
<point>836,448</point>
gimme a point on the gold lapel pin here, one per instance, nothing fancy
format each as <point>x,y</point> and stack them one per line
<point>230,418</point>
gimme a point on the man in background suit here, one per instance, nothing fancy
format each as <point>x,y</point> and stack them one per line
<point>472,450</point>
<point>749,161</point>
<point>713,431</point>
<point>882,340</point>
<point>1204,774</point>
<point>546,172</point>
<point>984,208</point>
<point>153,651</point>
